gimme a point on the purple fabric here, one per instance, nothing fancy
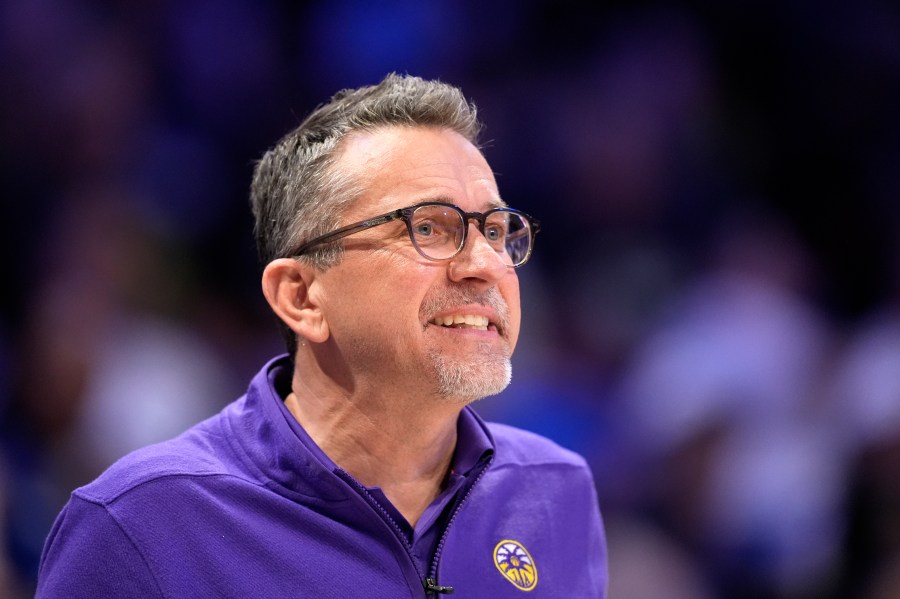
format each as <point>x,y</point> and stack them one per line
<point>245,505</point>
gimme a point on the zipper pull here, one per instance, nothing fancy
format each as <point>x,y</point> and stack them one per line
<point>431,586</point>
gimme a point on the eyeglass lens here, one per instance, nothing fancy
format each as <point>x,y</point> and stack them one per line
<point>438,233</point>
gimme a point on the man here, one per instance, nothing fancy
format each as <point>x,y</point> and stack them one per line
<point>353,466</point>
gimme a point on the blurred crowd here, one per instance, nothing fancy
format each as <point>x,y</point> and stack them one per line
<point>712,316</point>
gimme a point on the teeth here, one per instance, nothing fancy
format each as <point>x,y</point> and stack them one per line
<point>468,320</point>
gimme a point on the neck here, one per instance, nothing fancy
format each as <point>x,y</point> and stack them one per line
<point>390,443</point>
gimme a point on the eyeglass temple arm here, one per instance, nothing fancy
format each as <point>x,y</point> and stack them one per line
<point>346,231</point>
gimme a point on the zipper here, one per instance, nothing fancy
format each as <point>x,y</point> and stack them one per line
<point>432,587</point>
<point>430,582</point>
<point>435,561</point>
<point>398,532</point>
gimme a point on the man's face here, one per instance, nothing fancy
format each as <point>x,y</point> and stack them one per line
<point>387,307</point>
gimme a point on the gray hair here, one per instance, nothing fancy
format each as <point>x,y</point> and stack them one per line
<point>299,192</point>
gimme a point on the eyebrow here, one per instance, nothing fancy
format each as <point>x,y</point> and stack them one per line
<point>491,204</point>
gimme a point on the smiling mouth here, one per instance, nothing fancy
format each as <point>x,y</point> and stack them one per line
<point>462,321</point>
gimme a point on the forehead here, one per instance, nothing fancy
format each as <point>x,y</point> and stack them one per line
<point>400,166</point>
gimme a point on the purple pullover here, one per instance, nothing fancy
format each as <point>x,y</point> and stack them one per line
<point>245,505</point>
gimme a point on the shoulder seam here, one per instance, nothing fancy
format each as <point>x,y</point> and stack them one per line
<point>83,493</point>
<point>124,532</point>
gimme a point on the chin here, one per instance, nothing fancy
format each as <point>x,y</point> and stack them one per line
<point>468,382</point>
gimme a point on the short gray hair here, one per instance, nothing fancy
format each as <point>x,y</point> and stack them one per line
<point>299,193</point>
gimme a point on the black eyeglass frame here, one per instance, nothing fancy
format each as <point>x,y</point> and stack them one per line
<point>405,214</point>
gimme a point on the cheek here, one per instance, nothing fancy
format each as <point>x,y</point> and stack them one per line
<point>510,292</point>
<point>397,298</point>
<point>376,315</point>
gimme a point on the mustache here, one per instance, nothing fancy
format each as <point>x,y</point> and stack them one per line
<point>456,296</point>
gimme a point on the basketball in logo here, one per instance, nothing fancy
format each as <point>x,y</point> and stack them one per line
<point>516,565</point>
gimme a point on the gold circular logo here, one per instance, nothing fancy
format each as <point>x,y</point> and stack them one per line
<point>516,564</point>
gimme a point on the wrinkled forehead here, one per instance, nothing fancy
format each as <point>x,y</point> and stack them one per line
<point>399,166</point>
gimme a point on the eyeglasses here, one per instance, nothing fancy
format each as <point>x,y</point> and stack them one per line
<point>438,231</point>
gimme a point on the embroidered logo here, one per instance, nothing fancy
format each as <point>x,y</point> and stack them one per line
<point>516,565</point>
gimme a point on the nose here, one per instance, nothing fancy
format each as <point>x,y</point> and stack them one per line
<point>478,261</point>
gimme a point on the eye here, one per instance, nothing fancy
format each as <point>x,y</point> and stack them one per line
<point>434,224</point>
<point>424,229</point>
<point>494,233</point>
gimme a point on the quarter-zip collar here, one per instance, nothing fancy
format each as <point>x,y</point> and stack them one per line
<point>292,461</point>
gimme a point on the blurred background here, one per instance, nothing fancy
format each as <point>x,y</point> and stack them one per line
<point>712,316</point>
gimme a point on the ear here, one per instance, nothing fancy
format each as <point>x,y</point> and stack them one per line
<point>287,285</point>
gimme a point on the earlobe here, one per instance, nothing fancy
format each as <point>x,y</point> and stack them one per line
<point>289,287</point>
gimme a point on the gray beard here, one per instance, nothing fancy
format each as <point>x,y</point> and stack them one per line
<point>480,375</point>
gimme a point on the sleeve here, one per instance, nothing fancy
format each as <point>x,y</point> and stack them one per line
<point>87,554</point>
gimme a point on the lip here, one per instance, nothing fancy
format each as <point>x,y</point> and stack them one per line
<point>459,334</point>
